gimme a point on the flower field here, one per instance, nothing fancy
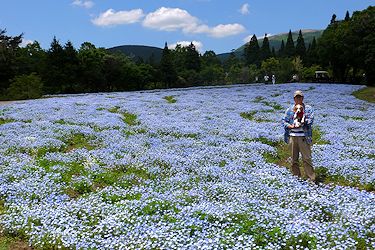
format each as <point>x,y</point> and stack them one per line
<point>185,169</point>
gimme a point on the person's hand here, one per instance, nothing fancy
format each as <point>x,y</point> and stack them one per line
<point>291,126</point>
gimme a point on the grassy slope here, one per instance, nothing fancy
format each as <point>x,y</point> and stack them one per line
<point>366,94</point>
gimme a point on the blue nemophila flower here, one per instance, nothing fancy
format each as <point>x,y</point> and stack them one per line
<point>132,171</point>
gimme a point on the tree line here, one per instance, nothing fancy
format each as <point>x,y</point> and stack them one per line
<point>346,50</point>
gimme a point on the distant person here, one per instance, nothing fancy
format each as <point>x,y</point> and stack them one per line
<point>298,135</point>
<point>273,79</point>
<point>295,78</point>
<point>256,79</point>
<point>266,78</point>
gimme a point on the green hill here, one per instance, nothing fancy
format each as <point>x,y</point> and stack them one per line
<point>275,41</point>
<point>145,53</point>
<point>139,52</point>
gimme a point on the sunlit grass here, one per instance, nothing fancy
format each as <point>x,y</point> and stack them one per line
<point>366,94</point>
<point>170,99</point>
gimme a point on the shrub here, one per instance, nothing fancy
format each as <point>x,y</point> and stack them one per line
<point>25,87</point>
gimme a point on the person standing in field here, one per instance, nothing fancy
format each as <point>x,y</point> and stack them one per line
<point>299,135</point>
<point>273,79</point>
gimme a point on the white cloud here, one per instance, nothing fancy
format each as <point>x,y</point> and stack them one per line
<point>244,9</point>
<point>111,18</point>
<point>25,42</point>
<point>173,19</point>
<point>198,45</point>
<point>169,19</point>
<point>83,3</point>
<point>223,30</point>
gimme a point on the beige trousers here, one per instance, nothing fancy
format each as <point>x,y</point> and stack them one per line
<point>297,144</point>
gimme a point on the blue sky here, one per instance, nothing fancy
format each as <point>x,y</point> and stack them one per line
<point>211,24</point>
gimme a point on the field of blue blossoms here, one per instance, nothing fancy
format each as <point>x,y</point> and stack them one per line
<point>183,169</point>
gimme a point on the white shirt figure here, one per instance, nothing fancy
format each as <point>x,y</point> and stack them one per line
<point>273,79</point>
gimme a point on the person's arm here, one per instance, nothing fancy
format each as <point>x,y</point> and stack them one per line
<point>286,120</point>
<point>309,116</point>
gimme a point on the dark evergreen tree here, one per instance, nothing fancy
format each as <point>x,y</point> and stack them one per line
<point>265,51</point>
<point>252,51</point>
<point>300,47</point>
<point>70,68</point>
<point>192,60</point>
<point>9,47</point>
<point>347,16</point>
<point>281,52</point>
<point>53,74</point>
<point>333,19</point>
<point>168,73</point>
<point>289,46</point>
<point>312,53</point>
<point>273,53</point>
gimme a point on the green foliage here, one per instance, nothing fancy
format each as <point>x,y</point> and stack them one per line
<point>170,99</point>
<point>251,51</point>
<point>348,47</point>
<point>289,46</point>
<point>213,74</point>
<point>25,87</point>
<point>248,115</point>
<point>323,176</point>
<point>366,94</point>
<point>158,207</point>
<point>270,66</point>
<point>253,73</point>
<point>317,136</point>
<point>265,51</point>
<point>300,47</point>
<point>308,73</point>
<point>78,141</point>
<point>9,46</point>
<point>303,240</point>
<point>4,121</point>
<point>128,118</point>
<point>167,69</point>
<point>286,70</point>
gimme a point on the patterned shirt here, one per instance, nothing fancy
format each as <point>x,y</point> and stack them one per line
<point>307,127</point>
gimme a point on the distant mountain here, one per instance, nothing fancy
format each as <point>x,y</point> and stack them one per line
<point>275,41</point>
<point>145,53</point>
<point>139,52</point>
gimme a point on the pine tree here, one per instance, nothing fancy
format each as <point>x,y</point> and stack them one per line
<point>300,47</point>
<point>265,51</point>
<point>252,51</point>
<point>289,46</point>
<point>311,53</point>
<point>70,67</point>
<point>281,52</point>
<point>192,60</point>
<point>167,69</point>
<point>347,16</point>
<point>8,49</point>
<point>333,19</point>
<point>273,53</point>
<point>54,75</point>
